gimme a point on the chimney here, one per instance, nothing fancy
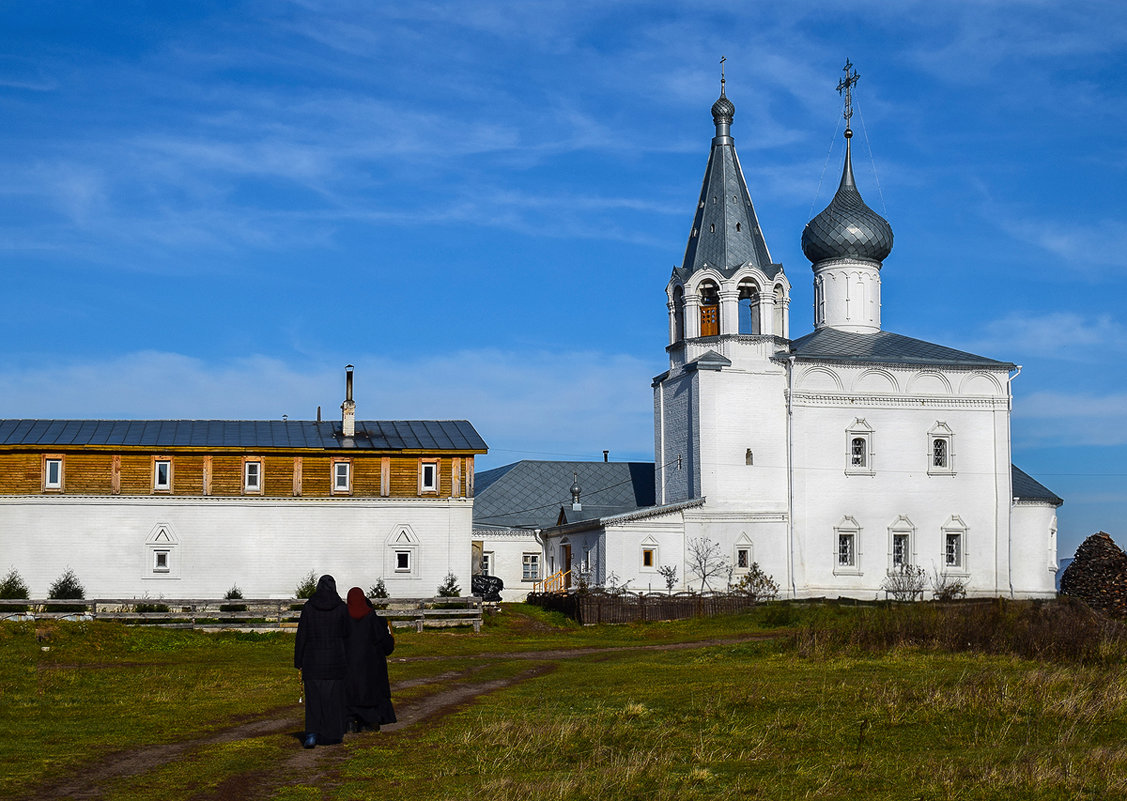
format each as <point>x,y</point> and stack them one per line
<point>606,456</point>
<point>348,408</point>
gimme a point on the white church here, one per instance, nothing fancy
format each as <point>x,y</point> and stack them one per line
<point>829,459</point>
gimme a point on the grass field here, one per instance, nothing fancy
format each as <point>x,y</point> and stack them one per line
<point>908,702</point>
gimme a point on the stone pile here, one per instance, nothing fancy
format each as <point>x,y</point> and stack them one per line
<point>1098,576</point>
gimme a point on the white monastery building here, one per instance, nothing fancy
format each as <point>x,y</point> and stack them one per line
<point>830,459</point>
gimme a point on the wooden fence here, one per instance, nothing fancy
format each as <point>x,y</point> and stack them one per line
<point>244,613</point>
<point>632,607</point>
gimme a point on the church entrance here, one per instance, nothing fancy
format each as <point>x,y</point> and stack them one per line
<point>567,566</point>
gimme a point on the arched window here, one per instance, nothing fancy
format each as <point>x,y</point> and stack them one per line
<point>678,314</point>
<point>749,308</point>
<point>709,310</point>
<point>780,306</point>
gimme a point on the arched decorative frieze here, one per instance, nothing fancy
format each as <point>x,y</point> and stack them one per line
<point>929,382</point>
<point>980,383</point>
<point>819,379</point>
<point>876,381</point>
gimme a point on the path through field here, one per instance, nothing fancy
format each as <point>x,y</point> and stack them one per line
<point>441,694</point>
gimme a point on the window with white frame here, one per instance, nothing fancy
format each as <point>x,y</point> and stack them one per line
<point>162,475</point>
<point>428,476</point>
<point>530,567</point>
<point>940,450</point>
<point>402,556</point>
<point>900,536</point>
<point>161,561</point>
<point>53,472</point>
<point>403,561</point>
<point>342,476</point>
<point>160,547</point>
<point>859,448</point>
<point>955,545</point>
<point>847,547</point>
<point>252,475</point>
<point>743,558</point>
<point>487,563</point>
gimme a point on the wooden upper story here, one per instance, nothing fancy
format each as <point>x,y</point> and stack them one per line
<point>388,459</point>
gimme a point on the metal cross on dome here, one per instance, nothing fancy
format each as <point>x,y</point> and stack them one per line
<point>845,86</point>
<point>722,60</point>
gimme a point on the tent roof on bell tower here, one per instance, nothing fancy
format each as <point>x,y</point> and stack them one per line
<point>725,234</point>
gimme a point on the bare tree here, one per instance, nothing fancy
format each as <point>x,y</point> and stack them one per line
<point>669,573</point>
<point>905,583</point>
<point>706,561</point>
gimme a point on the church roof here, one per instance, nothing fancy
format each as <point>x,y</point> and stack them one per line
<point>884,347</point>
<point>1027,488</point>
<point>725,233</point>
<point>529,494</point>
<point>425,435</point>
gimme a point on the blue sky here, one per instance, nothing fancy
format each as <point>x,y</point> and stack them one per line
<point>208,209</point>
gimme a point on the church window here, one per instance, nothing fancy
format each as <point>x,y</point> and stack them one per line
<point>859,455</point>
<point>402,561</point>
<point>648,557</point>
<point>487,563</point>
<point>402,552</point>
<point>678,314</point>
<point>162,475</point>
<point>940,455</point>
<point>712,228</point>
<point>160,561</point>
<point>955,545</point>
<point>53,472</point>
<point>847,547</point>
<point>160,547</point>
<point>252,476</point>
<point>900,535</point>
<point>342,476</point>
<point>749,322</point>
<point>743,558</point>
<point>737,228</point>
<point>709,310</point>
<point>530,567</point>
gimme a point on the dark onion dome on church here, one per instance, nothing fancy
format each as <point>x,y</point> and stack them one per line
<point>725,234</point>
<point>847,228</point>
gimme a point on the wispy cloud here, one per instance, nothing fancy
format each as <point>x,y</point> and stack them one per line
<point>545,403</point>
<point>1071,419</point>
<point>1054,335</point>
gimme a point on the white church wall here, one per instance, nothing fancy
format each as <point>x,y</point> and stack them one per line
<point>1035,563</point>
<point>264,545</point>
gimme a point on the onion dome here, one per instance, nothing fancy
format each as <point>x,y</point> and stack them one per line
<point>723,110</point>
<point>847,228</point>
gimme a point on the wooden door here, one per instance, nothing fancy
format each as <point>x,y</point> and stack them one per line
<point>710,320</point>
<point>567,566</point>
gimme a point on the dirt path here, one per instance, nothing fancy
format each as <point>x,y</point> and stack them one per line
<point>452,690</point>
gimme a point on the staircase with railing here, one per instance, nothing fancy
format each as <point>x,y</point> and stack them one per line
<point>558,582</point>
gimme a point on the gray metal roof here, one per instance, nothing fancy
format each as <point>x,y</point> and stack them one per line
<point>426,435</point>
<point>884,347</point>
<point>529,494</point>
<point>1027,488</point>
<point>725,233</point>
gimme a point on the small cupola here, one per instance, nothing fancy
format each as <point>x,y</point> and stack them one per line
<point>846,244</point>
<point>348,408</point>
<point>576,505</point>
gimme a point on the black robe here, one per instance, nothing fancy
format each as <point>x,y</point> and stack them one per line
<point>321,655</point>
<point>369,688</point>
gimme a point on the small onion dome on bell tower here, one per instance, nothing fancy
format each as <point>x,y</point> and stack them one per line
<point>847,228</point>
<point>723,110</point>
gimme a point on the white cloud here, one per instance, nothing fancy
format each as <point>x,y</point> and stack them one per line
<point>537,404</point>
<point>1060,335</point>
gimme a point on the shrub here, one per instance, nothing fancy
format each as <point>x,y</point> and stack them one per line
<point>67,586</point>
<point>669,573</point>
<point>378,590</point>
<point>307,586</point>
<point>756,584</point>
<point>947,588</point>
<point>12,586</point>
<point>233,594</point>
<point>449,587</point>
<point>148,605</point>
<point>905,583</point>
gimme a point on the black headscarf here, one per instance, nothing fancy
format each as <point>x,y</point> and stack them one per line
<point>325,596</point>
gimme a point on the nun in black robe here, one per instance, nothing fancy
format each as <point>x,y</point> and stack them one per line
<point>321,655</point>
<point>369,689</point>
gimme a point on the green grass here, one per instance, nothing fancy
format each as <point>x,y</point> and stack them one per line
<point>845,703</point>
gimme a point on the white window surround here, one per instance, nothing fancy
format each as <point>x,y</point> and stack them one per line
<point>402,556</point>
<point>940,450</point>
<point>954,551</point>
<point>901,543</point>
<point>530,567</point>
<point>162,475</point>
<point>859,452</point>
<point>847,548</point>
<point>342,476</point>
<point>162,549</point>
<point>252,476</point>
<point>53,472</point>
<point>649,545</point>
<point>744,554</point>
<point>487,563</point>
<point>428,476</point>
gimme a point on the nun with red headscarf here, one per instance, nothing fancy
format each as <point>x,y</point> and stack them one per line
<point>369,643</point>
